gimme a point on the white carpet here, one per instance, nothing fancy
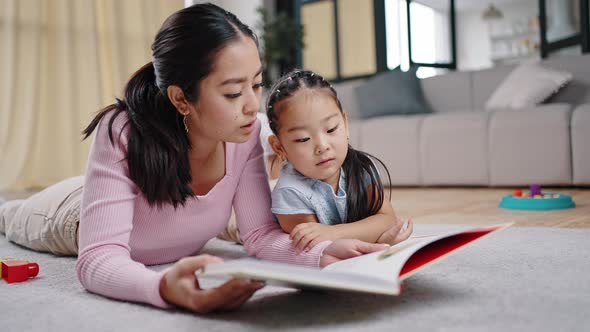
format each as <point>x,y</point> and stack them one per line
<point>534,279</point>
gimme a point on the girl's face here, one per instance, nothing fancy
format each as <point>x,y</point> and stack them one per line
<point>313,135</point>
<point>229,97</point>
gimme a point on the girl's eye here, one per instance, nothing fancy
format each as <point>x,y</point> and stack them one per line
<point>302,140</point>
<point>332,130</point>
<point>233,95</point>
<point>258,86</point>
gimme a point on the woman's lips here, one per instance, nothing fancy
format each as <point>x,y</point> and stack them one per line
<point>248,125</point>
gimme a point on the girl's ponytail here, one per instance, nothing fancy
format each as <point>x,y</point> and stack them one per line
<point>359,167</point>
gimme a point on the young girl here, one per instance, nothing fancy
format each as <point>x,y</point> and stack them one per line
<point>327,190</point>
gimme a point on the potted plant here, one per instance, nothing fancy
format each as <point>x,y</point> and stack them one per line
<point>280,38</point>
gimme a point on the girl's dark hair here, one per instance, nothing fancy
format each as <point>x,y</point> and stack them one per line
<point>184,51</point>
<point>357,164</point>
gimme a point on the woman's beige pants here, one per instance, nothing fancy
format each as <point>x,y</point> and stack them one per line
<point>48,220</point>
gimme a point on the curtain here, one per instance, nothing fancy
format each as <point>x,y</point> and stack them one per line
<point>60,62</point>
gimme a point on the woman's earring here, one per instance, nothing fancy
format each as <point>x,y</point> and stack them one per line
<point>184,122</point>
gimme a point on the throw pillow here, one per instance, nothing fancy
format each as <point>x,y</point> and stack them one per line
<point>392,92</point>
<point>527,85</point>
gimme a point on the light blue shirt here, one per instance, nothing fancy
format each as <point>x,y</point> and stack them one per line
<point>295,193</point>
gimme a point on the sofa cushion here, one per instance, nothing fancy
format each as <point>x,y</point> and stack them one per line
<point>450,92</point>
<point>577,92</point>
<point>347,97</point>
<point>580,147</point>
<point>485,81</point>
<point>527,85</point>
<point>530,146</point>
<point>395,141</point>
<point>453,149</point>
<point>392,92</point>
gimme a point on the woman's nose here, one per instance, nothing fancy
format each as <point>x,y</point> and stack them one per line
<point>252,104</point>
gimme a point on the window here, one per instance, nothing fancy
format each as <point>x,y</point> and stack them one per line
<point>420,33</point>
<point>339,38</point>
<point>319,53</point>
<point>585,24</point>
<point>356,37</point>
<point>560,29</point>
<point>349,39</point>
<point>396,28</point>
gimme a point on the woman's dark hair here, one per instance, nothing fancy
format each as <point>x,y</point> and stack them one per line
<point>357,164</point>
<point>184,51</point>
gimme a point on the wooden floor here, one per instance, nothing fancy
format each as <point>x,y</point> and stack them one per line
<point>475,206</point>
<point>479,206</point>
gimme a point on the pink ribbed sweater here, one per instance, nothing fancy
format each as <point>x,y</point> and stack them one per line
<point>119,232</point>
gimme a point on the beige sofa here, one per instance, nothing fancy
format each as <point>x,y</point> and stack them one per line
<point>462,144</point>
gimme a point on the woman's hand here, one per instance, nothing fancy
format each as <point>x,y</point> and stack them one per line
<point>306,235</point>
<point>348,248</point>
<point>180,287</point>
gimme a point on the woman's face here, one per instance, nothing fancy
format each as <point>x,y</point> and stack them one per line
<point>229,97</point>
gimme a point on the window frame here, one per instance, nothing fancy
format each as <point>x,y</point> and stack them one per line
<point>581,38</point>
<point>452,18</point>
<point>379,32</point>
<point>585,25</point>
<point>380,39</point>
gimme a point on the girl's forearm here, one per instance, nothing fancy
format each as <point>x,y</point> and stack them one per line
<point>368,229</point>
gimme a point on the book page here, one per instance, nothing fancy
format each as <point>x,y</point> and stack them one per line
<point>385,264</point>
<point>380,272</point>
<point>287,275</point>
<point>408,257</point>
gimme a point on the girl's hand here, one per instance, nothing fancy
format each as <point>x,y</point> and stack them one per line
<point>306,235</point>
<point>180,287</point>
<point>399,232</point>
<point>348,248</point>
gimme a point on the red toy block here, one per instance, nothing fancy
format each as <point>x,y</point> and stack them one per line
<point>17,270</point>
<point>5,258</point>
<point>517,193</point>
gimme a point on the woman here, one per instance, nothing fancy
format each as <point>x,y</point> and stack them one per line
<point>166,165</point>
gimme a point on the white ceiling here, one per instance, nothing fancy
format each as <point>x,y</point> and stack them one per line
<point>466,5</point>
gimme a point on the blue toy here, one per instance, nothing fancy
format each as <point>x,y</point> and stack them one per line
<point>536,200</point>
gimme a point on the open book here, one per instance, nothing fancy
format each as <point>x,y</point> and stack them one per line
<point>379,272</point>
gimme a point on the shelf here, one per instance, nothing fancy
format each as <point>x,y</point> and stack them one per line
<point>514,58</point>
<point>531,33</point>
